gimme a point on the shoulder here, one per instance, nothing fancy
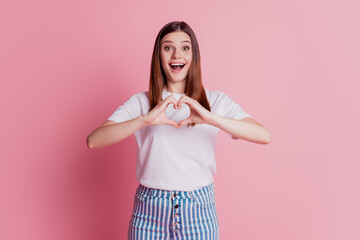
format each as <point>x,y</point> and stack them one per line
<point>215,95</point>
<point>214,92</point>
<point>137,99</point>
<point>139,96</point>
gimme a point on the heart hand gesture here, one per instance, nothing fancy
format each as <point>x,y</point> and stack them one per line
<point>157,115</point>
<point>198,114</point>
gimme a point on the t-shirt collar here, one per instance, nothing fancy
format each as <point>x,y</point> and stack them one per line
<point>165,94</point>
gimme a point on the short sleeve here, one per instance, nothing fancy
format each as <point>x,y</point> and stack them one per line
<point>128,110</point>
<point>232,109</point>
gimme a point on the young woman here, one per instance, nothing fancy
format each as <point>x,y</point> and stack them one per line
<point>176,123</point>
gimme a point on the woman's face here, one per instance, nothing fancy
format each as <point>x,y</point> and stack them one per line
<point>176,55</point>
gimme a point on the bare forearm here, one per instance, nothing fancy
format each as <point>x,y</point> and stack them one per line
<point>107,135</point>
<point>241,129</point>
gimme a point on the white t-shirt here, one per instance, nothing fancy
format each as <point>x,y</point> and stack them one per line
<point>176,158</point>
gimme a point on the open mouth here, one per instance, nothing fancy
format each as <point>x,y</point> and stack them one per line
<point>177,66</point>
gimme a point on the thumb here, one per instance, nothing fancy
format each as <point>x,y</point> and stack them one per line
<point>171,122</point>
<point>185,121</point>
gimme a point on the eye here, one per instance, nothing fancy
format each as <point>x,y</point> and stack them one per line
<point>166,48</point>
<point>186,48</point>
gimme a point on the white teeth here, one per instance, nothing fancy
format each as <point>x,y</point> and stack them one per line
<point>177,64</point>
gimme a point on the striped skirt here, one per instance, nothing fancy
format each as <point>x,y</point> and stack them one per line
<point>161,214</point>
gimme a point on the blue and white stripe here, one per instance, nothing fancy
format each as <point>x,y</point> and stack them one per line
<point>175,215</point>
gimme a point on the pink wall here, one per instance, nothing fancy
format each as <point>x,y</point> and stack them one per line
<point>65,66</point>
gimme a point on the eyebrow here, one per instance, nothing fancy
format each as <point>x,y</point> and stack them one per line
<point>171,41</point>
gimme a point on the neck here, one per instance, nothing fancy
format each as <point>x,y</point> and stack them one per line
<point>175,88</point>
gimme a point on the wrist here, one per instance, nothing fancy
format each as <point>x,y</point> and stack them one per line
<point>145,121</point>
<point>214,119</point>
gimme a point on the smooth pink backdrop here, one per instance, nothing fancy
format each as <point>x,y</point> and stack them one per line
<point>65,66</point>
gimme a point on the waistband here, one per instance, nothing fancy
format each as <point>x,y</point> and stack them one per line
<point>153,192</point>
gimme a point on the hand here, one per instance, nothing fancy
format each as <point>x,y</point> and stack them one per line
<point>157,115</point>
<point>198,114</point>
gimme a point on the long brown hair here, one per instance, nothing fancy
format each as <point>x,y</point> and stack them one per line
<point>194,87</point>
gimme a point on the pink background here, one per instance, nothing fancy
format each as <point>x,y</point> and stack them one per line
<point>65,66</point>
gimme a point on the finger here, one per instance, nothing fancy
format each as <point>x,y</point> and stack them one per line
<point>171,99</point>
<point>187,100</point>
<point>184,122</point>
<point>171,122</point>
<point>179,103</point>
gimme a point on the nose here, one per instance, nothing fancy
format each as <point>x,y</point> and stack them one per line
<point>176,54</point>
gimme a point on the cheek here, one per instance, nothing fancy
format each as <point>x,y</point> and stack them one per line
<point>164,57</point>
<point>189,61</point>
<point>189,58</point>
